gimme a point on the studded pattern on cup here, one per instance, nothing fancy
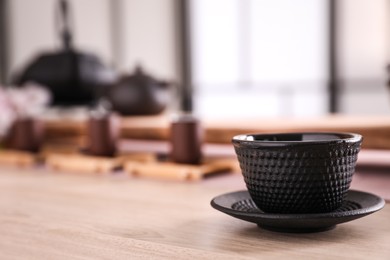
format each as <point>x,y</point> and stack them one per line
<point>298,178</point>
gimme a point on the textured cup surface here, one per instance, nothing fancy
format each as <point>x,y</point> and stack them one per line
<point>298,172</point>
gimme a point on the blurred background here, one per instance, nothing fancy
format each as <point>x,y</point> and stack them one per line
<point>222,58</point>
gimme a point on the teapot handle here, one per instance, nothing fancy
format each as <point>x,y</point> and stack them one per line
<point>63,23</point>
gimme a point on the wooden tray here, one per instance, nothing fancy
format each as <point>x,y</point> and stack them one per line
<point>18,158</point>
<point>182,172</point>
<point>92,164</point>
<point>375,129</point>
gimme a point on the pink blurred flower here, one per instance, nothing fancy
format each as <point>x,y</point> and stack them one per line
<point>15,103</point>
<point>7,115</point>
<point>28,101</point>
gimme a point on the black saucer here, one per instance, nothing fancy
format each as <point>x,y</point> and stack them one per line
<point>240,205</point>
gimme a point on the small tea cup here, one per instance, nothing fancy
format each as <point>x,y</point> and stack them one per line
<point>298,172</point>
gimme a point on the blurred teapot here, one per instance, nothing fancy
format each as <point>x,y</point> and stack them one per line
<point>72,77</point>
<point>138,94</point>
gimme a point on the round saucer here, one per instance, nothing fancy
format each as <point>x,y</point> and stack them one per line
<point>240,205</point>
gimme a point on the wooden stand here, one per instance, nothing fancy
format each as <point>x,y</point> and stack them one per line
<point>181,172</point>
<point>69,159</point>
<point>92,164</point>
<point>17,158</point>
<point>375,129</point>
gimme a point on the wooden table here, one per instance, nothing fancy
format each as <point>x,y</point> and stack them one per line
<point>45,215</point>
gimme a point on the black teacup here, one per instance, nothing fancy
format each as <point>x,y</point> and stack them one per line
<point>298,172</point>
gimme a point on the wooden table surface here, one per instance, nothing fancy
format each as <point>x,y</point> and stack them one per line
<point>46,215</point>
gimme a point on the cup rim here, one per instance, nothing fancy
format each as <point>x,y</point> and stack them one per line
<point>343,137</point>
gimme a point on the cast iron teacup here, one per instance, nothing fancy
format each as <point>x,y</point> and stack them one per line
<point>298,172</point>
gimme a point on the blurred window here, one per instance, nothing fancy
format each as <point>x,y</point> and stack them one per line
<point>259,57</point>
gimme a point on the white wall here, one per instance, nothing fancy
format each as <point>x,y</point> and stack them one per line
<point>364,43</point>
<point>364,38</point>
<point>148,36</point>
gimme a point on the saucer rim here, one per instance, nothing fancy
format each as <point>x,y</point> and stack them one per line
<point>380,203</point>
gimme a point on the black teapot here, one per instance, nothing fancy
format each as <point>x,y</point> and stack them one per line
<point>138,94</point>
<point>72,77</point>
